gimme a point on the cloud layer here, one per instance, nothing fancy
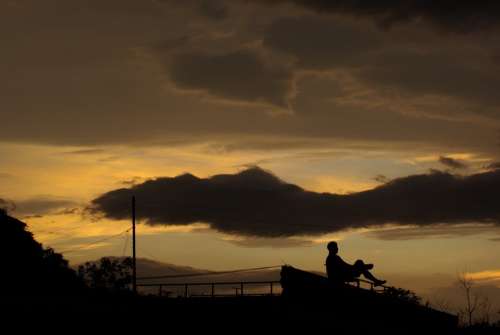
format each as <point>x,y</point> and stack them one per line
<point>257,203</point>
<point>238,76</point>
<point>452,15</point>
<point>146,77</point>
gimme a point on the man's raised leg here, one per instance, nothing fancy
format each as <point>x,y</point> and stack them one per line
<point>362,268</point>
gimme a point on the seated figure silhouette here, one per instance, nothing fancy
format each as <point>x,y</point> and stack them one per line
<point>340,272</point>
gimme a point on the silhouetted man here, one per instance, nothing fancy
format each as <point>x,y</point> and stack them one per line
<point>340,272</point>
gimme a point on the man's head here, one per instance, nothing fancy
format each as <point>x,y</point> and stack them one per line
<point>333,247</point>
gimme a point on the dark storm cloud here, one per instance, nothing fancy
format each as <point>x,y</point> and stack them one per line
<point>438,72</point>
<point>388,67</point>
<point>83,84</point>
<point>238,76</point>
<point>214,9</point>
<point>318,42</point>
<point>452,15</point>
<point>452,163</point>
<point>256,203</point>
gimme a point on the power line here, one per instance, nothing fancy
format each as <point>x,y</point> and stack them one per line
<point>213,273</point>
<point>33,228</point>
<point>94,243</point>
<point>153,257</point>
<point>125,245</point>
<point>61,231</point>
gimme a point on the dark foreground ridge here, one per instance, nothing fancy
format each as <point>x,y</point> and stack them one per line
<point>40,290</point>
<point>350,308</point>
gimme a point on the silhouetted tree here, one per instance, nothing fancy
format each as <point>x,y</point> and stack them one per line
<point>472,299</point>
<point>477,307</point>
<point>30,269</point>
<point>113,274</point>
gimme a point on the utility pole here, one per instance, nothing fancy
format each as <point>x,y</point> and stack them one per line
<point>134,270</point>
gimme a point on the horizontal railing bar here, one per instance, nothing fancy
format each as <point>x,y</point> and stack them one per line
<point>232,283</point>
<point>231,295</point>
<point>208,284</point>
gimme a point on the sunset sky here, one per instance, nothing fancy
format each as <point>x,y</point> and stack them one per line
<point>337,97</point>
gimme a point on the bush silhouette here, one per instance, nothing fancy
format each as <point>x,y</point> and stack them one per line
<point>402,295</point>
<point>111,274</point>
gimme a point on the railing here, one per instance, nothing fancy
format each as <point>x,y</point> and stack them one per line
<point>239,288</point>
<point>357,282</point>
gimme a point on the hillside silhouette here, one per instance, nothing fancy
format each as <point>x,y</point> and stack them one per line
<point>41,285</point>
<point>29,268</point>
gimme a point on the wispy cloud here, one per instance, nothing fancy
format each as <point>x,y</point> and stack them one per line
<point>452,163</point>
<point>91,151</point>
<point>395,233</point>
<point>485,276</point>
<point>41,205</point>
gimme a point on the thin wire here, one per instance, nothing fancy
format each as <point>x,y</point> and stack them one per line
<point>33,229</point>
<point>213,273</point>
<point>125,245</point>
<point>94,243</point>
<point>141,249</point>
<point>61,231</point>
